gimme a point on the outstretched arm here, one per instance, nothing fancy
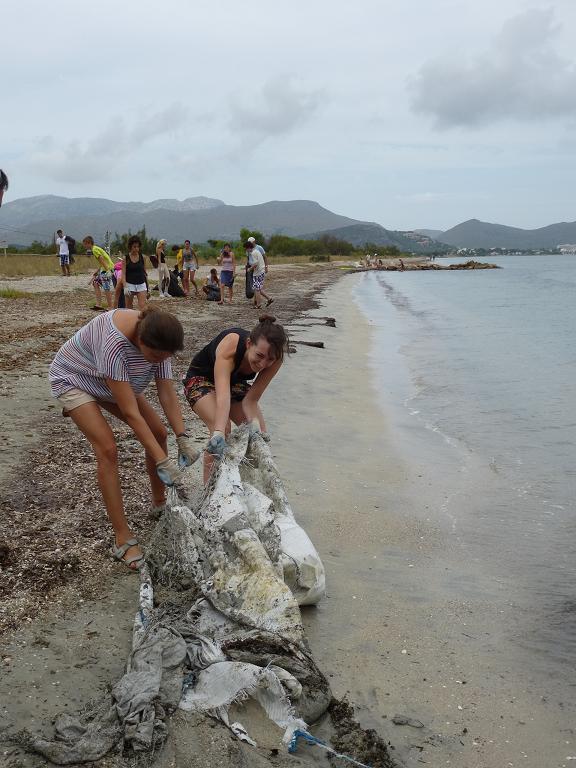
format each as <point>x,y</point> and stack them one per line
<point>125,399</point>
<point>170,405</point>
<point>223,368</point>
<point>250,402</point>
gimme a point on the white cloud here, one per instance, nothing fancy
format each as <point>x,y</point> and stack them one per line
<point>520,76</point>
<point>280,108</point>
<point>98,158</point>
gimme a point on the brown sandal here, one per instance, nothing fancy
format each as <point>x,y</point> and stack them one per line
<point>119,553</point>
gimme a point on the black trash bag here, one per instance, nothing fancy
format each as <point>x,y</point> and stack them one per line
<point>174,288</point>
<point>249,282</point>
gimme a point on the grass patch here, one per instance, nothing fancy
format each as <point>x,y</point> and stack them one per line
<point>35,264</point>
<point>11,293</point>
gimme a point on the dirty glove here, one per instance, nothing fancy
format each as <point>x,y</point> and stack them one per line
<point>217,444</point>
<point>255,429</point>
<point>187,453</point>
<point>168,471</point>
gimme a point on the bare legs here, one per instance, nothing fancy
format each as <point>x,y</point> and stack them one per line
<point>223,289</point>
<point>192,280</point>
<point>98,293</point>
<point>140,298</point>
<point>91,422</point>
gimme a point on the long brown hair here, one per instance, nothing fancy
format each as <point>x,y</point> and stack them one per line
<point>274,334</point>
<point>160,330</point>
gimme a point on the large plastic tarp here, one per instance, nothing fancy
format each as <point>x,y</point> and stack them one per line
<point>240,565</point>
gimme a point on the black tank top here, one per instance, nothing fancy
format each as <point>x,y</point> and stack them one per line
<point>135,271</point>
<point>203,362</point>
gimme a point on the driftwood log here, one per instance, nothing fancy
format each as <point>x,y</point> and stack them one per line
<point>319,344</point>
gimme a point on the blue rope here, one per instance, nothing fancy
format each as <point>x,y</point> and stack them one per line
<point>309,739</point>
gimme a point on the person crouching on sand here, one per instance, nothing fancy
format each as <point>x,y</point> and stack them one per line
<point>220,386</point>
<point>106,366</point>
<point>211,289</point>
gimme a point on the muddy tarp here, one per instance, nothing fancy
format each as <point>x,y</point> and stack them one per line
<point>231,628</point>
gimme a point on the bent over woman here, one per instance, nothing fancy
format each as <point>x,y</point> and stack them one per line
<point>107,365</point>
<point>218,385</point>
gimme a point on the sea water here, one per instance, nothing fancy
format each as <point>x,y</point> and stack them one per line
<point>478,369</point>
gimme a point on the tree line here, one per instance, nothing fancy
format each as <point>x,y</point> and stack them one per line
<point>319,248</point>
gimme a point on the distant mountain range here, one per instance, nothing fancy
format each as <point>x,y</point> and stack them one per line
<point>197,218</point>
<point>202,218</point>
<point>481,234</point>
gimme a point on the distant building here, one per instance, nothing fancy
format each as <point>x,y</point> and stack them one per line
<point>567,248</point>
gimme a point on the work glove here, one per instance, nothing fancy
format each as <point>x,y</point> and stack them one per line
<point>187,453</point>
<point>217,444</point>
<point>254,428</point>
<point>168,471</point>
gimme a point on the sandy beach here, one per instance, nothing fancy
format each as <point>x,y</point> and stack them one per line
<point>386,635</point>
<point>67,609</point>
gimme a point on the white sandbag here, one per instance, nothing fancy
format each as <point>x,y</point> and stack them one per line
<point>303,569</point>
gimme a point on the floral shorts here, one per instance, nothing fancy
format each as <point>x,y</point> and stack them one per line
<point>105,281</point>
<point>199,386</point>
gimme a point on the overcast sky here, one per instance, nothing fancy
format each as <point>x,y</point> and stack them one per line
<point>419,113</point>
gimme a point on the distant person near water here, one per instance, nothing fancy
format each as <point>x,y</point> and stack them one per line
<point>163,271</point>
<point>63,253</point>
<point>134,275</point>
<point>103,277</point>
<point>227,272</point>
<point>211,288</point>
<point>106,366</point>
<point>257,266</point>
<point>3,184</point>
<point>220,385</point>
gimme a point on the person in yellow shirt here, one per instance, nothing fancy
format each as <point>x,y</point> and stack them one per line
<point>102,279</point>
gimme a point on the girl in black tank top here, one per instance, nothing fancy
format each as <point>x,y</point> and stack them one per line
<point>134,276</point>
<point>218,383</point>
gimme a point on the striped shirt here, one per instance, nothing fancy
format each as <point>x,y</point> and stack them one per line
<point>99,351</point>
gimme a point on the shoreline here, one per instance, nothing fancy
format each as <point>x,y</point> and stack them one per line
<point>413,624</point>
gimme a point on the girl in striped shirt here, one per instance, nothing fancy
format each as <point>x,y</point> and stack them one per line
<point>107,365</point>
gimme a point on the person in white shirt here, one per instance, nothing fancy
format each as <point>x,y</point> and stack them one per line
<point>257,266</point>
<point>63,252</point>
<point>261,249</point>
